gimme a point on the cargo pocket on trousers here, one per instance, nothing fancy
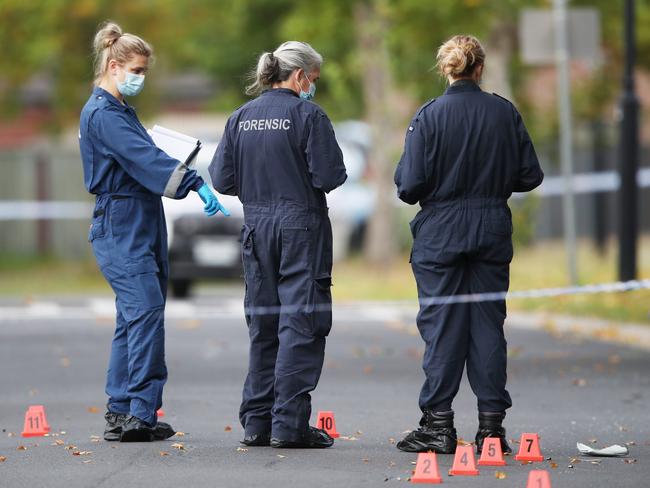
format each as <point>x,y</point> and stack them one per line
<point>98,224</point>
<point>252,269</point>
<point>139,289</point>
<point>322,305</point>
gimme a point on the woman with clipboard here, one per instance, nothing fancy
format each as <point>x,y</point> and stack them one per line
<point>128,174</point>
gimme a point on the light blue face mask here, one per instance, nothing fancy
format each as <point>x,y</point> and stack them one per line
<point>132,84</point>
<point>308,95</point>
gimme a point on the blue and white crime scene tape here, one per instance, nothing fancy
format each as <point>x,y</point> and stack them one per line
<point>614,287</point>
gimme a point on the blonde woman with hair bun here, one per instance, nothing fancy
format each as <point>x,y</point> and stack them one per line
<point>465,153</point>
<point>128,175</point>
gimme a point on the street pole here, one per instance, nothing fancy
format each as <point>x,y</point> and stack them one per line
<point>629,151</point>
<point>566,137</point>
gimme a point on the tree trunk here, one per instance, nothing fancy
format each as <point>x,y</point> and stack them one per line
<point>372,30</point>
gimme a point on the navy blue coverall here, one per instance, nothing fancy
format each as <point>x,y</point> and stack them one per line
<point>129,174</point>
<point>465,153</point>
<point>279,155</point>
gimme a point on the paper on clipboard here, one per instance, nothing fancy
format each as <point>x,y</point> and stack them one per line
<point>175,144</point>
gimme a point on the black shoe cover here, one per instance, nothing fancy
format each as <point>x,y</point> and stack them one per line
<point>441,440</point>
<point>135,430</point>
<point>114,422</point>
<point>253,440</point>
<point>489,425</point>
<point>313,439</point>
<point>163,431</point>
<point>436,434</point>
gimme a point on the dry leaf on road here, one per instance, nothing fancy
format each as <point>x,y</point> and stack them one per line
<point>179,446</point>
<point>21,448</point>
<point>164,453</point>
<point>500,475</point>
<point>93,409</point>
<point>2,459</point>
<point>227,428</point>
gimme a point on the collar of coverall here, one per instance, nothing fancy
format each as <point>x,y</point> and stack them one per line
<point>100,92</point>
<point>462,85</point>
<point>279,91</point>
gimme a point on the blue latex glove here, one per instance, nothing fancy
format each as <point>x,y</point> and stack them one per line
<point>212,205</point>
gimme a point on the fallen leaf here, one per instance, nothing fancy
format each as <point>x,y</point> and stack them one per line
<point>179,446</point>
<point>630,443</point>
<point>595,461</point>
<point>227,428</point>
<point>65,362</point>
<point>553,465</point>
<point>281,456</point>
<point>21,448</point>
<point>58,442</point>
<point>358,432</point>
<point>580,382</point>
<point>242,449</point>
<point>500,475</point>
<point>366,460</point>
<point>2,459</point>
<point>93,410</point>
<point>70,447</point>
<point>179,434</point>
<point>348,438</point>
<point>629,461</point>
<point>81,453</point>
<point>164,453</point>
<point>88,461</point>
<point>11,434</point>
<point>95,438</point>
<point>391,440</point>
<point>392,464</point>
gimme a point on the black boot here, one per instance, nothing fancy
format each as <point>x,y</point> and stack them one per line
<point>436,434</point>
<point>489,425</point>
<point>114,422</point>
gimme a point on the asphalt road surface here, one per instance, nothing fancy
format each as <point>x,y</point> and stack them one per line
<point>55,353</point>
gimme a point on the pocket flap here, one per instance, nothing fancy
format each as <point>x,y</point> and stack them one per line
<point>323,281</point>
<point>146,265</point>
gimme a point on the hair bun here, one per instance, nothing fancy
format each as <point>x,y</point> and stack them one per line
<point>460,55</point>
<point>107,35</point>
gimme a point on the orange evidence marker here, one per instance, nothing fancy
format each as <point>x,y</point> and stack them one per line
<point>538,479</point>
<point>529,448</point>
<point>326,422</point>
<point>35,422</point>
<point>426,469</point>
<point>464,462</point>
<point>160,412</point>
<point>491,455</point>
